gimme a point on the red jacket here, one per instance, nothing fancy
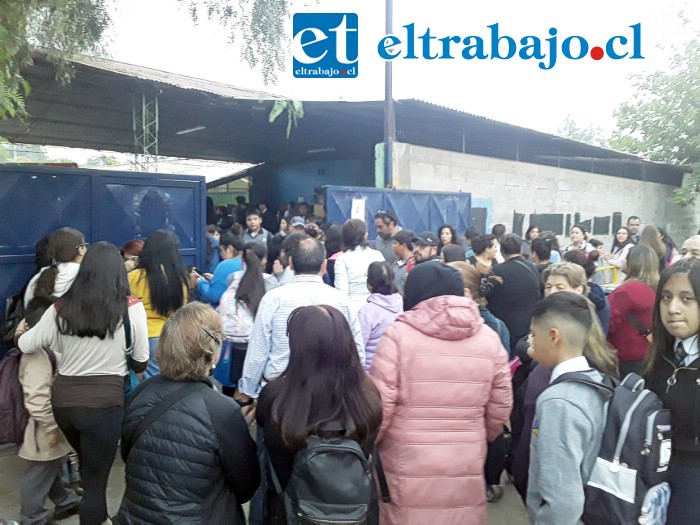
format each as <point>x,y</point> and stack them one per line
<point>637,298</point>
<point>445,385</point>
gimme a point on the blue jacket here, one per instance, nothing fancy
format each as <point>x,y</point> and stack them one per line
<point>211,291</point>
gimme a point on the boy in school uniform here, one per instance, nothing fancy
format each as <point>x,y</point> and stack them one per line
<point>45,448</point>
<point>569,418</point>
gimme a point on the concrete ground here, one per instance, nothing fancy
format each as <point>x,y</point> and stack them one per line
<point>508,511</point>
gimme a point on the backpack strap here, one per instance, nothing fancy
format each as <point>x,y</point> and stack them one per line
<point>52,360</point>
<point>127,335</point>
<point>271,468</point>
<point>606,387</point>
<point>381,477</point>
<point>643,330</point>
<point>162,407</point>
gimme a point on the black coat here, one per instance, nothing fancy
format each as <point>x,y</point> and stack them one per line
<point>513,300</point>
<point>195,464</point>
<point>683,400</point>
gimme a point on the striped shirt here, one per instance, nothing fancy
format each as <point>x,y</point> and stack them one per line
<point>268,349</point>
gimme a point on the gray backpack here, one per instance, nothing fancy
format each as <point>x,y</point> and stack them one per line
<point>628,484</point>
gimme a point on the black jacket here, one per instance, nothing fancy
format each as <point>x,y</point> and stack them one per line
<point>513,300</point>
<point>195,464</point>
<point>683,399</point>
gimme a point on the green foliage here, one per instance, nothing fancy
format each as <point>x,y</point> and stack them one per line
<point>260,24</point>
<point>662,120</point>
<point>294,109</point>
<point>590,135</point>
<point>60,28</point>
<point>63,28</point>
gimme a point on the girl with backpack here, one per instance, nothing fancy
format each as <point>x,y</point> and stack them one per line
<point>237,308</point>
<point>323,384</point>
<point>672,370</point>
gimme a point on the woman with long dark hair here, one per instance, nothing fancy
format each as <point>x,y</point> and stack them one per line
<point>532,233</point>
<point>447,235</point>
<point>324,383</point>
<point>621,247</point>
<point>87,327</point>
<point>65,249</point>
<point>237,308</point>
<point>672,370</point>
<point>161,282</point>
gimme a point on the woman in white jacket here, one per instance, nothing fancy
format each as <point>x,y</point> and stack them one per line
<point>621,247</point>
<point>351,266</point>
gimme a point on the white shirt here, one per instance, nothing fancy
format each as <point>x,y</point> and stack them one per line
<point>268,348</point>
<point>691,348</point>
<point>89,356</point>
<point>575,364</point>
<point>351,274</point>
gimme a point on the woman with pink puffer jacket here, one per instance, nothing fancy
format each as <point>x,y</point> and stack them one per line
<point>445,384</point>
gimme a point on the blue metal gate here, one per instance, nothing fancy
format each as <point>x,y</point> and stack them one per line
<point>103,205</point>
<point>415,210</point>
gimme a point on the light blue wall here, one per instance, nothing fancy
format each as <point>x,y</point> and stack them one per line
<point>291,182</point>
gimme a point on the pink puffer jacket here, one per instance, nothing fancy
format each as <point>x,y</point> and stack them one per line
<point>445,385</point>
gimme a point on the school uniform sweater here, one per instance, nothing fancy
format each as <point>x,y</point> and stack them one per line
<point>566,437</point>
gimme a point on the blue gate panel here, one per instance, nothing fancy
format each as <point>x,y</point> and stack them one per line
<point>103,205</point>
<point>415,210</point>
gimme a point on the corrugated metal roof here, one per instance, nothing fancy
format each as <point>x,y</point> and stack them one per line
<point>542,133</point>
<point>174,79</point>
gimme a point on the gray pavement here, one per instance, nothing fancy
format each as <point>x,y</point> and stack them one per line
<point>508,511</point>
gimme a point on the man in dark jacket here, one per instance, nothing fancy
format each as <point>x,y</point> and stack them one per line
<point>513,299</point>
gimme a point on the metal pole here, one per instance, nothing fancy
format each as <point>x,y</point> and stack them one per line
<point>389,115</point>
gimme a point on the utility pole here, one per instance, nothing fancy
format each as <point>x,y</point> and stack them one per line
<point>389,115</point>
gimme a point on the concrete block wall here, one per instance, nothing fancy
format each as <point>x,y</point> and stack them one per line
<point>519,187</point>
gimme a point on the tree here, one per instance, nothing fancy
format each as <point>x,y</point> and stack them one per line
<point>662,120</point>
<point>589,135</point>
<point>63,28</point>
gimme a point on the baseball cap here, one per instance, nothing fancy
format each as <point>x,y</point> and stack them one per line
<point>297,221</point>
<point>426,238</point>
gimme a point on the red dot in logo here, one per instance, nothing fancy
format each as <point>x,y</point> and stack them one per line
<point>597,53</point>
<point>343,72</point>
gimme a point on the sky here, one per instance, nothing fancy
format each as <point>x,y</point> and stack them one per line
<point>160,34</point>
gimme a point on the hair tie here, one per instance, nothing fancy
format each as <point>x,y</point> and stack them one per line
<point>485,287</point>
<point>54,263</point>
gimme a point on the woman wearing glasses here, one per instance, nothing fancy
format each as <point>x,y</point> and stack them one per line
<point>195,462</point>
<point>86,326</point>
<point>66,249</point>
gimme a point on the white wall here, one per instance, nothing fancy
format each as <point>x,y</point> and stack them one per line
<point>530,188</point>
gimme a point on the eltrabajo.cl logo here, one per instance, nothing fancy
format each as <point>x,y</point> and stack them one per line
<point>325,45</point>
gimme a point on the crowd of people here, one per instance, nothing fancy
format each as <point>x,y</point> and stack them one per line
<point>442,355</point>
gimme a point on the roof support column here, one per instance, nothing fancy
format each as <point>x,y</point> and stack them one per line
<point>389,115</point>
<point>144,123</point>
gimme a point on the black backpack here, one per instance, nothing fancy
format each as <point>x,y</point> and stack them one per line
<point>628,483</point>
<point>331,481</point>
